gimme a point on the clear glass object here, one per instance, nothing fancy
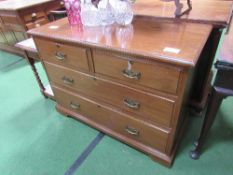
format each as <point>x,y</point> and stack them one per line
<point>106,13</point>
<point>95,16</point>
<point>73,9</point>
<point>90,14</point>
<point>123,12</point>
<point>124,35</point>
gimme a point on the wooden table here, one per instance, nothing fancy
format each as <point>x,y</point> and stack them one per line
<point>17,16</point>
<point>31,55</point>
<point>222,88</point>
<point>214,12</point>
<point>130,82</point>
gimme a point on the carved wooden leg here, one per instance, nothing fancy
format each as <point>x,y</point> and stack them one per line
<point>33,67</point>
<point>215,102</point>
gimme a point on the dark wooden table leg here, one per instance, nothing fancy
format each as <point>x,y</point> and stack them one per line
<point>215,101</point>
<point>31,62</point>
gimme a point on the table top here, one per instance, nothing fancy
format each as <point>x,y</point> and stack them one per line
<point>214,12</point>
<point>27,45</point>
<point>20,4</point>
<point>175,42</point>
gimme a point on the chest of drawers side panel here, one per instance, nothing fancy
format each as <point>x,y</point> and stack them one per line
<point>180,117</point>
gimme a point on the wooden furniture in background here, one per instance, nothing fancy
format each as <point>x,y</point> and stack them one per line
<point>214,12</point>
<point>132,90</point>
<point>17,16</point>
<point>222,88</point>
<point>180,11</point>
<point>57,14</point>
<point>31,55</point>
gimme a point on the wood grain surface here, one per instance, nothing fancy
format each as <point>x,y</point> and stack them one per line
<point>174,42</point>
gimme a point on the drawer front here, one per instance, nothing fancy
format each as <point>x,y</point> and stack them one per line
<point>145,106</point>
<point>140,131</point>
<point>11,20</point>
<point>118,122</point>
<point>63,54</point>
<point>34,16</point>
<point>37,23</point>
<point>156,76</point>
<point>83,106</point>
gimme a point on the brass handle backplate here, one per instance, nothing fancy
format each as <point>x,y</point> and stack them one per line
<point>67,80</point>
<point>130,74</point>
<point>60,56</point>
<point>132,131</point>
<point>131,103</point>
<point>74,106</point>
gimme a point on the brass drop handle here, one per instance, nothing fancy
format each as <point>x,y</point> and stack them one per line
<point>131,74</point>
<point>60,56</point>
<point>132,131</point>
<point>74,106</point>
<point>67,80</point>
<point>131,103</point>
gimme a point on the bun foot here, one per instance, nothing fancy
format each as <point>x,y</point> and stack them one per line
<point>194,155</point>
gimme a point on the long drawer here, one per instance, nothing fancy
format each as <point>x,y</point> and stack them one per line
<point>11,20</point>
<point>156,76</point>
<point>153,108</point>
<point>63,54</point>
<point>121,123</point>
<point>35,15</point>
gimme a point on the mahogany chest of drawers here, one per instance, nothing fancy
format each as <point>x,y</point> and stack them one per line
<point>131,82</point>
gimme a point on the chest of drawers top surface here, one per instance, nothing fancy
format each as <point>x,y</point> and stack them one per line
<point>172,42</point>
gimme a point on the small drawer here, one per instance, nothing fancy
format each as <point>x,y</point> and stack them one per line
<point>63,54</point>
<point>107,117</point>
<point>157,76</point>
<point>145,106</point>
<point>37,23</point>
<point>34,16</point>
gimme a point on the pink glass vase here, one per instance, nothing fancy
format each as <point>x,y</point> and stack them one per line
<point>73,9</point>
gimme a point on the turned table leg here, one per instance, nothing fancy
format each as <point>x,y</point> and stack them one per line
<point>215,102</point>
<point>31,62</point>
